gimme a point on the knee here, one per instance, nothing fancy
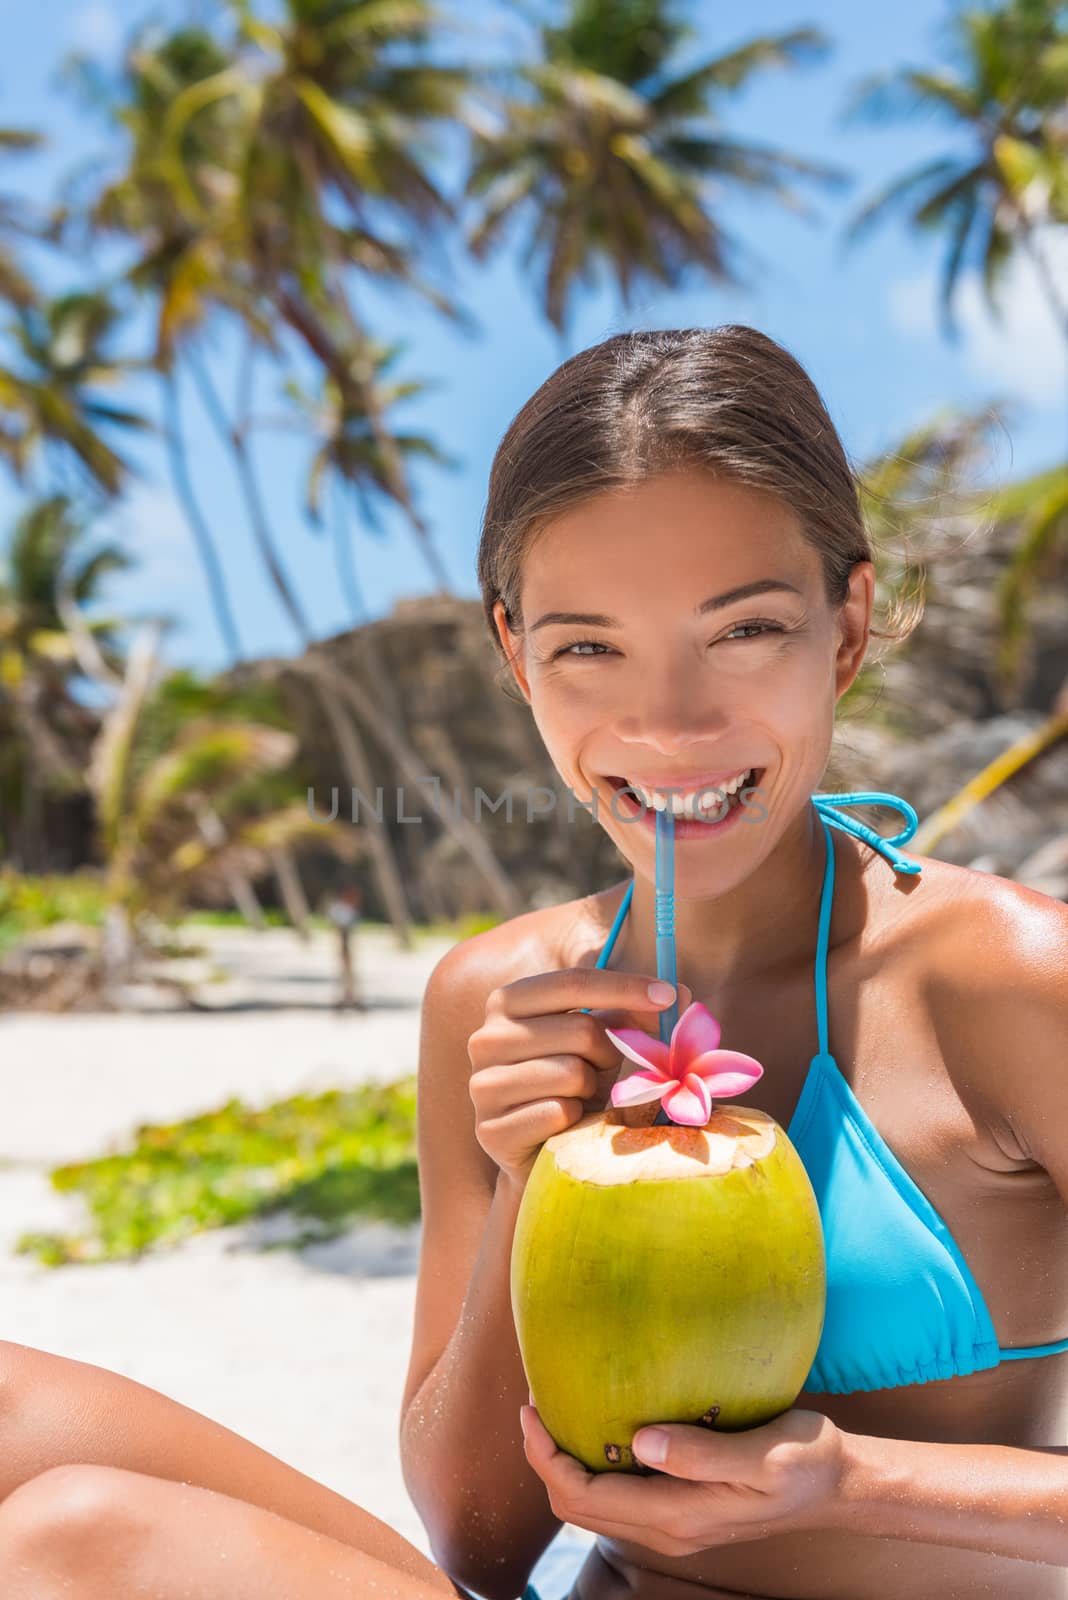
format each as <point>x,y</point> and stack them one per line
<point>71,1520</point>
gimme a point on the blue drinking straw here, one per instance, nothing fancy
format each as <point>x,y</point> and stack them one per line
<point>665,925</point>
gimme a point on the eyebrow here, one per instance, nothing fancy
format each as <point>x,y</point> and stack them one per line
<point>716,602</point>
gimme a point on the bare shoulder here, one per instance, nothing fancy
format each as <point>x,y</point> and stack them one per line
<point>567,935</point>
<point>994,960</point>
<point>990,938</point>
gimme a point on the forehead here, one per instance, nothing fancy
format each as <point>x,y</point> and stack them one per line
<point>674,527</point>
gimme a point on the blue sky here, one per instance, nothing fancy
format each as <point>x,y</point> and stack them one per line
<point>864,323</point>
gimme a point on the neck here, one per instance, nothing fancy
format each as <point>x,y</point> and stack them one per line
<point>764,926</point>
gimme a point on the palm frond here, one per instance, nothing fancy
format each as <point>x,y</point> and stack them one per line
<point>686,96</point>
<point>207,759</point>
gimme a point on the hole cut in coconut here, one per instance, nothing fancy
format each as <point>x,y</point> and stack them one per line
<point>622,1145</point>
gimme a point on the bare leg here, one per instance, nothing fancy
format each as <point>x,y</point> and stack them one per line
<point>54,1411</point>
<point>94,1533</point>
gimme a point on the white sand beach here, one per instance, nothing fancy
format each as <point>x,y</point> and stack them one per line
<point>305,1352</point>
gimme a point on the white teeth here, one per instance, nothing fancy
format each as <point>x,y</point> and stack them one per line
<point>694,804</point>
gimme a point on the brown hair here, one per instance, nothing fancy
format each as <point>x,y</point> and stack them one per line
<point>728,399</point>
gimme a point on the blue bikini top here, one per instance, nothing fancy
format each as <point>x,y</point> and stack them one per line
<point>902,1304</point>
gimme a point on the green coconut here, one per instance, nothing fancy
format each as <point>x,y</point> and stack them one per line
<point>668,1273</point>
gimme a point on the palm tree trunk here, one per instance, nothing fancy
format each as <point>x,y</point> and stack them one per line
<point>361,777</point>
<point>346,737</point>
<point>237,441</point>
<point>346,567</point>
<point>238,884</point>
<point>469,838</point>
<point>202,536</point>
<point>287,876</point>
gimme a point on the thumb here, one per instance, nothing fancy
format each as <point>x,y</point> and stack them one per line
<point>685,1451</point>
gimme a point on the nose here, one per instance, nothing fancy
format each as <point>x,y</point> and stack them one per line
<point>670,714</point>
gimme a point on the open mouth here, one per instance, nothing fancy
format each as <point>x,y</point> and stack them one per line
<point>712,809</point>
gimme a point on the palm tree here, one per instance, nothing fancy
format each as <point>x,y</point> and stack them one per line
<point>51,391</point>
<point>15,221</point>
<point>44,727</point>
<point>233,225</point>
<point>346,450</point>
<point>613,156</point>
<point>183,265</point>
<point>1007,96</point>
<point>960,568</point>
<point>186,802</point>
<point>330,128</point>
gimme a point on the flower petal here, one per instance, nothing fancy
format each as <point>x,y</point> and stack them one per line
<point>641,1047</point>
<point>695,1032</point>
<point>689,1101</point>
<point>727,1071</point>
<point>638,1087</point>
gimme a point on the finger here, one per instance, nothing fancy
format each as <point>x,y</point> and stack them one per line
<point>705,1456</point>
<point>575,988</point>
<point>511,1090</point>
<point>510,1040</point>
<point>633,1501</point>
<point>619,1017</point>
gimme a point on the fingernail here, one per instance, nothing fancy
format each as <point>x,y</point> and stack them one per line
<point>651,1444</point>
<point>523,1420</point>
<point>661,991</point>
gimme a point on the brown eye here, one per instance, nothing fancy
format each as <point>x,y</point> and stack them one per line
<point>759,627</point>
<point>565,649</point>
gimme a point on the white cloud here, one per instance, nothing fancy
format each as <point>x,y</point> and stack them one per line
<point>96,29</point>
<point>1026,351</point>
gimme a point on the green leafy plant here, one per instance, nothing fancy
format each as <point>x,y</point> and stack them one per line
<point>325,1158</point>
<point>28,903</point>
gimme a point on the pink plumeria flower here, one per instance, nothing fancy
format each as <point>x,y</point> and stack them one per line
<point>685,1074</point>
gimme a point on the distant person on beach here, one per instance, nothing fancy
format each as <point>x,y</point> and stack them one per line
<point>344,910</point>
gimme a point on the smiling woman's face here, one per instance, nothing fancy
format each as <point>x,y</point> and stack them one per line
<point>675,681</point>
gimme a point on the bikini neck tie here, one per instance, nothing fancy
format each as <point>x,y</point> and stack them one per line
<point>826,805</point>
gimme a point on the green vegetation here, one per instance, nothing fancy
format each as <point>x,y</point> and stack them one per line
<point>29,903</point>
<point>327,1159</point>
<point>229,918</point>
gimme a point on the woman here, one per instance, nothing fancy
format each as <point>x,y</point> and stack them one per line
<point>674,567</point>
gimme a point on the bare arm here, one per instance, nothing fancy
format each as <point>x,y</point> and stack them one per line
<point>999,1498</point>
<point>486,1512</point>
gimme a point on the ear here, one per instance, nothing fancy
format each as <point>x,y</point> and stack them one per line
<point>512,647</point>
<point>854,626</point>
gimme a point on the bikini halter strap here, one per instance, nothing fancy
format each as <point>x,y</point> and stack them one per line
<point>827,813</point>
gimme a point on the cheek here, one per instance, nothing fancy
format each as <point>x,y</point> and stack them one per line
<point>564,708</point>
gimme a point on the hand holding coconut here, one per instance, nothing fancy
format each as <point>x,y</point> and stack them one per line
<point>783,1477</point>
<point>540,1063</point>
<point>667,1273</point>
